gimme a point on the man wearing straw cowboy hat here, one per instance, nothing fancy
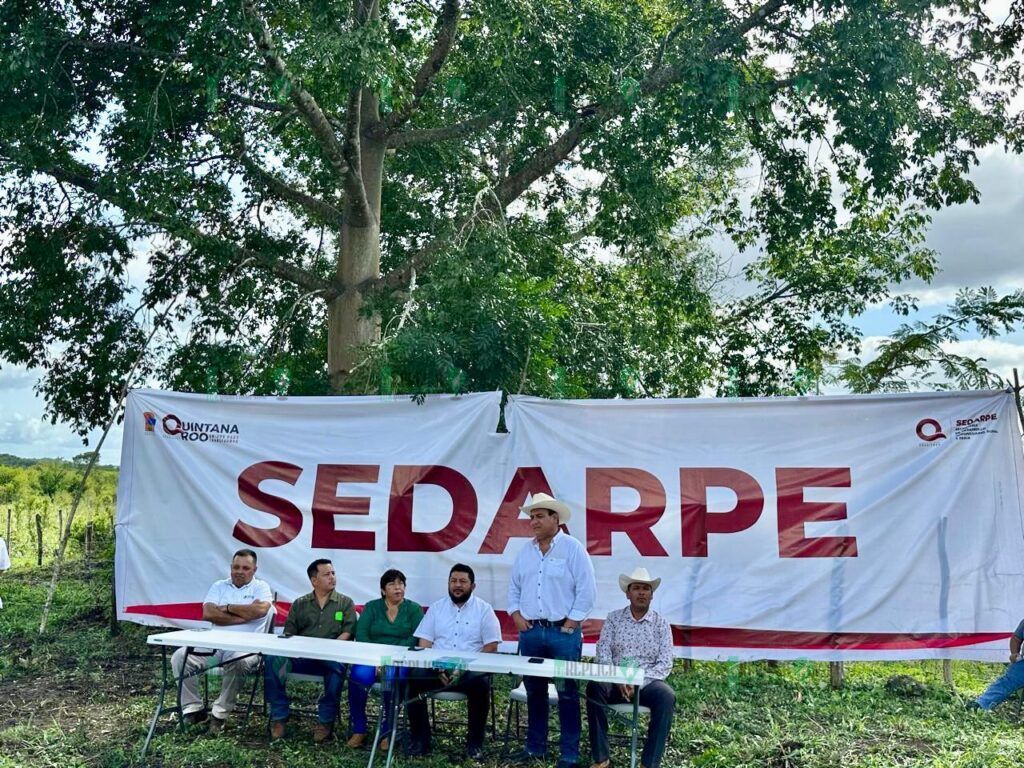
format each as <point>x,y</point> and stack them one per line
<point>641,636</point>
<point>550,593</point>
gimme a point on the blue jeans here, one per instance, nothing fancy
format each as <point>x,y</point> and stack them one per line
<point>552,643</point>
<point>361,679</point>
<point>1008,683</point>
<point>275,673</point>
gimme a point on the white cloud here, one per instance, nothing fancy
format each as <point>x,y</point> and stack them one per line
<point>16,377</point>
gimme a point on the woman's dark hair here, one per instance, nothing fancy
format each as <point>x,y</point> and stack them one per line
<point>391,574</point>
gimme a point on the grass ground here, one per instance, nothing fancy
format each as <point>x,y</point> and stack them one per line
<point>79,697</point>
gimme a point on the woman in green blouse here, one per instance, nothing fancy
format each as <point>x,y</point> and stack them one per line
<point>391,620</point>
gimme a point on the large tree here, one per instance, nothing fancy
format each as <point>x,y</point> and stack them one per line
<point>332,195</point>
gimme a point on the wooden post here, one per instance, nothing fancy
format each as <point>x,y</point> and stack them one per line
<point>947,672</point>
<point>88,541</point>
<point>687,665</point>
<point>836,673</point>
<point>115,628</point>
<point>60,520</point>
<point>39,539</point>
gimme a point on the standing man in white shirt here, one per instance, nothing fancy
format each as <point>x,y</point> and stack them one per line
<point>635,636</point>
<point>551,592</point>
<point>5,561</point>
<point>459,622</point>
<point>239,603</point>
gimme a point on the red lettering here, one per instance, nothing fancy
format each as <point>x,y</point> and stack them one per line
<point>698,522</point>
<point>794,512</point>
<point>636,523</point>
<point>508,522</point>
<point>401,536</point>
<point>288,514</point>
<point>327,504</point>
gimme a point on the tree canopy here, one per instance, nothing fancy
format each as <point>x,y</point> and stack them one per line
<point>308,196</point>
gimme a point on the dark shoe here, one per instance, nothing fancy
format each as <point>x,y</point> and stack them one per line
<point>322,732</point>
<point>972,705</point>
<point>523,757</point>
<point>417,749</point>
<point>197,717</point>
<point>277,729</point>
<point>217,724</point>
<point>475,751</point>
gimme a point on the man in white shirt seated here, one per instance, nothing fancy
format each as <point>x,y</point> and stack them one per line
<point>458,622</point>
<point>639,636</point>
<point>240,603</point>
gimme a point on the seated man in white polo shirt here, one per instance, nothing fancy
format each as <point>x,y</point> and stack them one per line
<point>458,622</point>
<point>240,604</point>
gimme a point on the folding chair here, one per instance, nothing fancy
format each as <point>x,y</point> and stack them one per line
<point>256,674</point>
<point>516,700</point>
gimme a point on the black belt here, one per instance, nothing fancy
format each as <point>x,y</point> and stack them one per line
<point>548,623</point>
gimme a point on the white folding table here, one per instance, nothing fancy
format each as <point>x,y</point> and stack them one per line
<point>376,655</point>
<point>506,664</point>
<point>249,643</point>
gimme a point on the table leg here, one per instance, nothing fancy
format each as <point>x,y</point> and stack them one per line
<point>399,699</point>
<point>380,717</point>
<point>160,700</point>
<point>636,718</point>
<point>181,684</point>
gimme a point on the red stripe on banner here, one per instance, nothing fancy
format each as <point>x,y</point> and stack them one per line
<point>729,637</point>
<point>694,637</point>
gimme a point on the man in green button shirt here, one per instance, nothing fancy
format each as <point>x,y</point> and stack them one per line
<point>322,613</point>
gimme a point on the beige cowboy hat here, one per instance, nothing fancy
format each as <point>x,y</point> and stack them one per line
<point>544,501</point>
<point>639,575</point>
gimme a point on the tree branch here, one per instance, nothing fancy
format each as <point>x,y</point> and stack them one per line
<point>355,189</point>
<point>321,209</point>
<point>546,159</point>
<point>291,273</point>
<point>447,22</point>
<point>413,138</point>
<point>314,116</point>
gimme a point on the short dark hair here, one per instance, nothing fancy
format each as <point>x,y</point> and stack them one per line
<point>391,574</point>
<point>463,568</point>
<point>245,553</point>
<point>313,567</point>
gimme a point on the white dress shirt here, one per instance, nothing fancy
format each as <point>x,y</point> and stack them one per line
<point>552,586</point>
<point>224,592</point>
<point>466,627</point>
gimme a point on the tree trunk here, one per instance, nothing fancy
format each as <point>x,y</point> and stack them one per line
<point>39,539</point>
<point>947,672</point>
<point>836,674</point>
<point>359,260</point>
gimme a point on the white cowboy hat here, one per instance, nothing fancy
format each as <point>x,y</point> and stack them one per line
<point>638,576</point>
<point>543,501</point>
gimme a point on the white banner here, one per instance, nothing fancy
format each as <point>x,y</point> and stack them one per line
<point>877,527</point>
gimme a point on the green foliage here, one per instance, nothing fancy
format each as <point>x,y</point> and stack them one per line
<point>917,355</point>
<point>80,697</point>
<point>552,174</point>
<point>43,487</point>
